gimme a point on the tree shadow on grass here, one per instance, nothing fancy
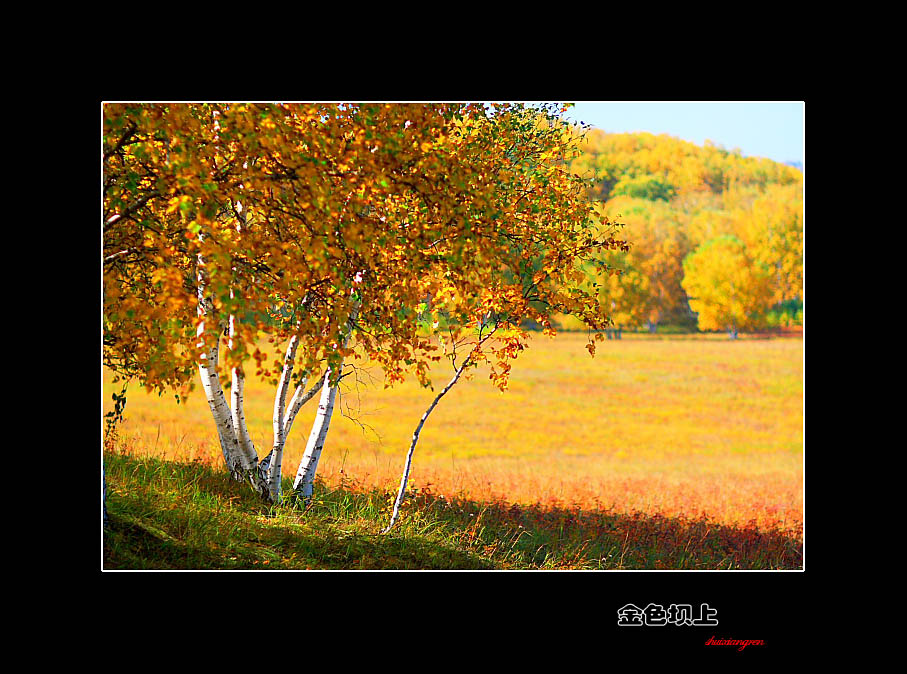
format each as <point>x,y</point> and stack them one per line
<point>188,516</point>
<point>553,537</point>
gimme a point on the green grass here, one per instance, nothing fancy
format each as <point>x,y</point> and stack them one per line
<point>185,515</point>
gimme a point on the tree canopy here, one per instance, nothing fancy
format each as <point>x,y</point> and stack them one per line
<point>286,214</point>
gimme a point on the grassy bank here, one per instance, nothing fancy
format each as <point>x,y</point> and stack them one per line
<point>675,427</point>
<point>188,515</point>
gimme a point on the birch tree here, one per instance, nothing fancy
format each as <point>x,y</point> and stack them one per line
<point>533,267</point>
<point>245,199</point>
<point>336,231</point>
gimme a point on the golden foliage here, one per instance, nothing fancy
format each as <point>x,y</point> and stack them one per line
<point>283,215</point>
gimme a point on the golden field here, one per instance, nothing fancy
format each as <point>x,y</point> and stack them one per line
<point>679,426</point>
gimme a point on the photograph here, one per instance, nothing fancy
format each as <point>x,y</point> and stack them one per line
<point>531,341</point>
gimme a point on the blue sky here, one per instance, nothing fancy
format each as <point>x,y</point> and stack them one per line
<point>760,129</point>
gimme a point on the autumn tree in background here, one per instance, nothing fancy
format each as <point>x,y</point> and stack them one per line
<point>658,246</point>
<point>773,229</point>
<point>674,197</point>
<point>626,292</point>
<point>728,289</point>
<point>709,223</point>
<point>769,224</point>
<point>336,231</point>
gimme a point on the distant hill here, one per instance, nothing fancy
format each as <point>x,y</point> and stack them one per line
<point>662,167</point>
<point>674,199</point>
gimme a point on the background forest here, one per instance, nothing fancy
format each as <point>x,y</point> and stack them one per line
<point>716,238</point>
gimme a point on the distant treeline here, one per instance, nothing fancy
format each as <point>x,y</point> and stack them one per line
<point>716,238</point>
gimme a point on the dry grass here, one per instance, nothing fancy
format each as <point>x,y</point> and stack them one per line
<point>678,427</point>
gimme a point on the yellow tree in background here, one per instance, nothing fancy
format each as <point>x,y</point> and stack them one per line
<point>727,288</point>
<point>773,232</point>
<point>626,292</point>
<point>658,246</point>
<point>706,224</point>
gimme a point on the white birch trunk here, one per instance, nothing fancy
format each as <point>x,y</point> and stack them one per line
<point>280,435</point>
<point>300,398</point>
<point>223,417</point>
<point>412,446</point>
<point>247,451</point>
<point>248,454</point>
<point>303,485</point>
<point>214,393</point>
<point>246,446</point>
